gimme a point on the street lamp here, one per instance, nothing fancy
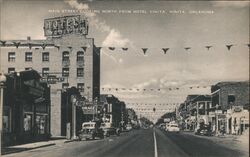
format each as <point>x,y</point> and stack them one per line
<point>73,100</point>
<point>216,118</point>
<point>2,84</point>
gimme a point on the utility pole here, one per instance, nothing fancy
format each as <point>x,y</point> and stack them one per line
<point>73,101</point>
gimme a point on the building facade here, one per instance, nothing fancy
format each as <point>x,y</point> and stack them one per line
<point>114,110</point>
<point>228,101</point>
<point>66,58</point>
<point>26,108</point>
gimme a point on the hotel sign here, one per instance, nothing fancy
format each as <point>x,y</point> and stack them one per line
<point>59,26</point>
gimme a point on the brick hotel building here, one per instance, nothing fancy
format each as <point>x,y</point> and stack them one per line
<point>66,55</point>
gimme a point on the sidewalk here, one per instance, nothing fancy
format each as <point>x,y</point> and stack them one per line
<point>30,146</point>
<point>236,142</point>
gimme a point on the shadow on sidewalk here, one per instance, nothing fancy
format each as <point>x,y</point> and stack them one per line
<point>8,150</point>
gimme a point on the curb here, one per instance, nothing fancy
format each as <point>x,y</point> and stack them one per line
<point>26,149</point>
<point>68,141</point>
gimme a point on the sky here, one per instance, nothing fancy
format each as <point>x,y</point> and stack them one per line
<point>153,25</point>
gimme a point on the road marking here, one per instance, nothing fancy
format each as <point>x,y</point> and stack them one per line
<point>155,145</point>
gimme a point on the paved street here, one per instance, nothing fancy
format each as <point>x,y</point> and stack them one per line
<point>137,143</point>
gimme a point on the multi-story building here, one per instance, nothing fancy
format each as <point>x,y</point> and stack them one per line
<point>228,101</point>
<point>66,58</point>
<point>26,108</point>
<point>113,109</point>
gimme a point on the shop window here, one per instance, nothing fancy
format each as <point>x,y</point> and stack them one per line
<point>6,120</point>
<point>40,124</point>
<point>11,57</point>
<point>80,56</point>
<point>65,72</point>
<point>65,56</point>
<point>80,87</point>
<point>28,56</point>
<point>45,56</point>
<point>79,72</point>
<point>27,122</point>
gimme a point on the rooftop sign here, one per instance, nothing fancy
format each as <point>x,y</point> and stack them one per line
<point>56,27</point>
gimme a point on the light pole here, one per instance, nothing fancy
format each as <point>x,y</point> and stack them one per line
<point>73,100</point>
<point>95,107</point>
<point>216,118</point>
<point>2,84</point>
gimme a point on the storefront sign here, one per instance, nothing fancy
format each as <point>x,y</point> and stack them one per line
<point>88,109</point>
<point>211,114</point>
<point>52,79</point>
<point>65,25</point>
<point>221,116</point>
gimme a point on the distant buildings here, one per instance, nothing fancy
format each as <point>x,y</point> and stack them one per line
<point>114,111</point>
<point>227,108</point>
<point>66,58</point>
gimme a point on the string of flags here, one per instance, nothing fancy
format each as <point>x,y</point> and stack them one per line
<point>144,50</point>
<point>154,104</point>
<point>151,89</point>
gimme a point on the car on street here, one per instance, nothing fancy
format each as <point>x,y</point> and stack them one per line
<point>90,130</point>
<point>173,128</point>
<point>109,130</point>
<point>205,130</point>
<point>129,127</point>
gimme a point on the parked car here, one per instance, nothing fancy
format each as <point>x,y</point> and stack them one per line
<point>205,130</point>
<point>109,130</point>
<point>90,130</point>
<point>129,127</point>
<point>173,128</point>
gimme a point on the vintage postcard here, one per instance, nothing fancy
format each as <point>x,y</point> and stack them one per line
<point>136,78</point>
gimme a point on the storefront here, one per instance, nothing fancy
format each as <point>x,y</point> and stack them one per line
<point>237,120</point>
<point>26,108</point>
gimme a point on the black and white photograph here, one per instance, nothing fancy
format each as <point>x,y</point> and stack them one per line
<point>124,78</point>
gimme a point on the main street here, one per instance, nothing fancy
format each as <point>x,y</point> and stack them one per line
<point>137,143</point>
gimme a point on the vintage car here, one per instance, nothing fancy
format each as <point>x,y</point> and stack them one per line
<point>90,130</point>
<point>109,130</point>
<point>173,128</point>
<point>204,130</point>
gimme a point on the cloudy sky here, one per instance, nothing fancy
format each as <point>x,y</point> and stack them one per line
<point>153,25</point>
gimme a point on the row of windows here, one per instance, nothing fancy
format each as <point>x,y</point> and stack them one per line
<point>80,86</point>
<point>45,71</point>
<point>45,56</point>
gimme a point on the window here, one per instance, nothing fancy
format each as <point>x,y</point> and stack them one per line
<point>45,56</point>
<point>40,124</point>
<point>80,87</point>
<point>11,70</point>
<point>79,72</point>
<point>65,72</point>
<point>45,71</point>
<point>11,57</point>
<point>231,100</point>
<point>65,85</point>
<point>29,68</point>
<point>65,56</point>
<point>79,56</point>
<point>27,122</point>
<point>28,56</point>
<point>6,119</point>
